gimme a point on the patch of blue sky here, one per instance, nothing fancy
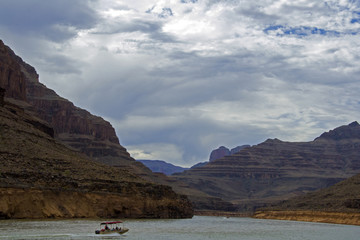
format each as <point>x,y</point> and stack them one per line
<point>301,31</point>
<point>166,12</point>
<point>189,1</point>
<point>356,19</point>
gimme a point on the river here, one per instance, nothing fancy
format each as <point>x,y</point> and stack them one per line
<point>197,228</point>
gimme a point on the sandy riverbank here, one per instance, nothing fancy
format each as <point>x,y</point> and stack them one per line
<point>311,216</point>
<point>221,213</point>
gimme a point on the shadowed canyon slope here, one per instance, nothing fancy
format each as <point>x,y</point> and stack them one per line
<point>339,203</point>
<point>41,177</point>
<point>341,197</point>
<point>276,170</point>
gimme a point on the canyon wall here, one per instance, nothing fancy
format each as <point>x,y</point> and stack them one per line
<point>48,151</point>
<point>275,170</point>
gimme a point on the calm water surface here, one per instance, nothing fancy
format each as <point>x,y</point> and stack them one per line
<point>197,228</point>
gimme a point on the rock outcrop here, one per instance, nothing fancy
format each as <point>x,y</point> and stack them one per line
<point>219,153</point>
<point>275,170</point>
<point>73,126</point>
<point>11,77</point>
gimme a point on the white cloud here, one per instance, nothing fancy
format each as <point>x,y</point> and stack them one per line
<point>157,151</point>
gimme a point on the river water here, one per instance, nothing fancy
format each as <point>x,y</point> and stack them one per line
<point>197,228</point>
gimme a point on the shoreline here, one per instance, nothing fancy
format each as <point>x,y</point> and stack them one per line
<point>222,213</point>
<point>311,216</point>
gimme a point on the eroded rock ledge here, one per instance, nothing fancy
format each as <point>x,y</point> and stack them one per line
<point>16,203</point>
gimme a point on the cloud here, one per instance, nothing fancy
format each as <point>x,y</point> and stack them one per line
<point>56,20</point>
<point>156,151</point>
<point>180,78</point>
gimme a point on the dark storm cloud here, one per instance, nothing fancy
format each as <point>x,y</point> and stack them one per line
<point>56,20</point>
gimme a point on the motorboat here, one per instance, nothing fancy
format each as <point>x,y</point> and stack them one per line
<point>112,227</point>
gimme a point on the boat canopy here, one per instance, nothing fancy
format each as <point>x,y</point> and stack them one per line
<point>106,223</point>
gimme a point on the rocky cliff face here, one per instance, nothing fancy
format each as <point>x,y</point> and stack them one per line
<point>42,178</point>
<point>73,126</point>
<point>276,170</point>
<point>31,158</point>
<point>11,77</point>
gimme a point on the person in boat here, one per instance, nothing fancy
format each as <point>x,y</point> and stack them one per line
<point>106,227</point>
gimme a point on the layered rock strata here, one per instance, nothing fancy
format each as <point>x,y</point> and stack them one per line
<point>276,170</point>
<point>41,178</point>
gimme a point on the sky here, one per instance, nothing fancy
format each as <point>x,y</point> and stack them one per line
<point>179,78</point>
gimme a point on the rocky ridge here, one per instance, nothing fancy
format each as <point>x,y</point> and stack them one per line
<point>275,170</point>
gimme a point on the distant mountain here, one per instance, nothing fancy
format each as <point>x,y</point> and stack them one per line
<point>199,164</point>
<point>275,170</point>
<point>162,166</point>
